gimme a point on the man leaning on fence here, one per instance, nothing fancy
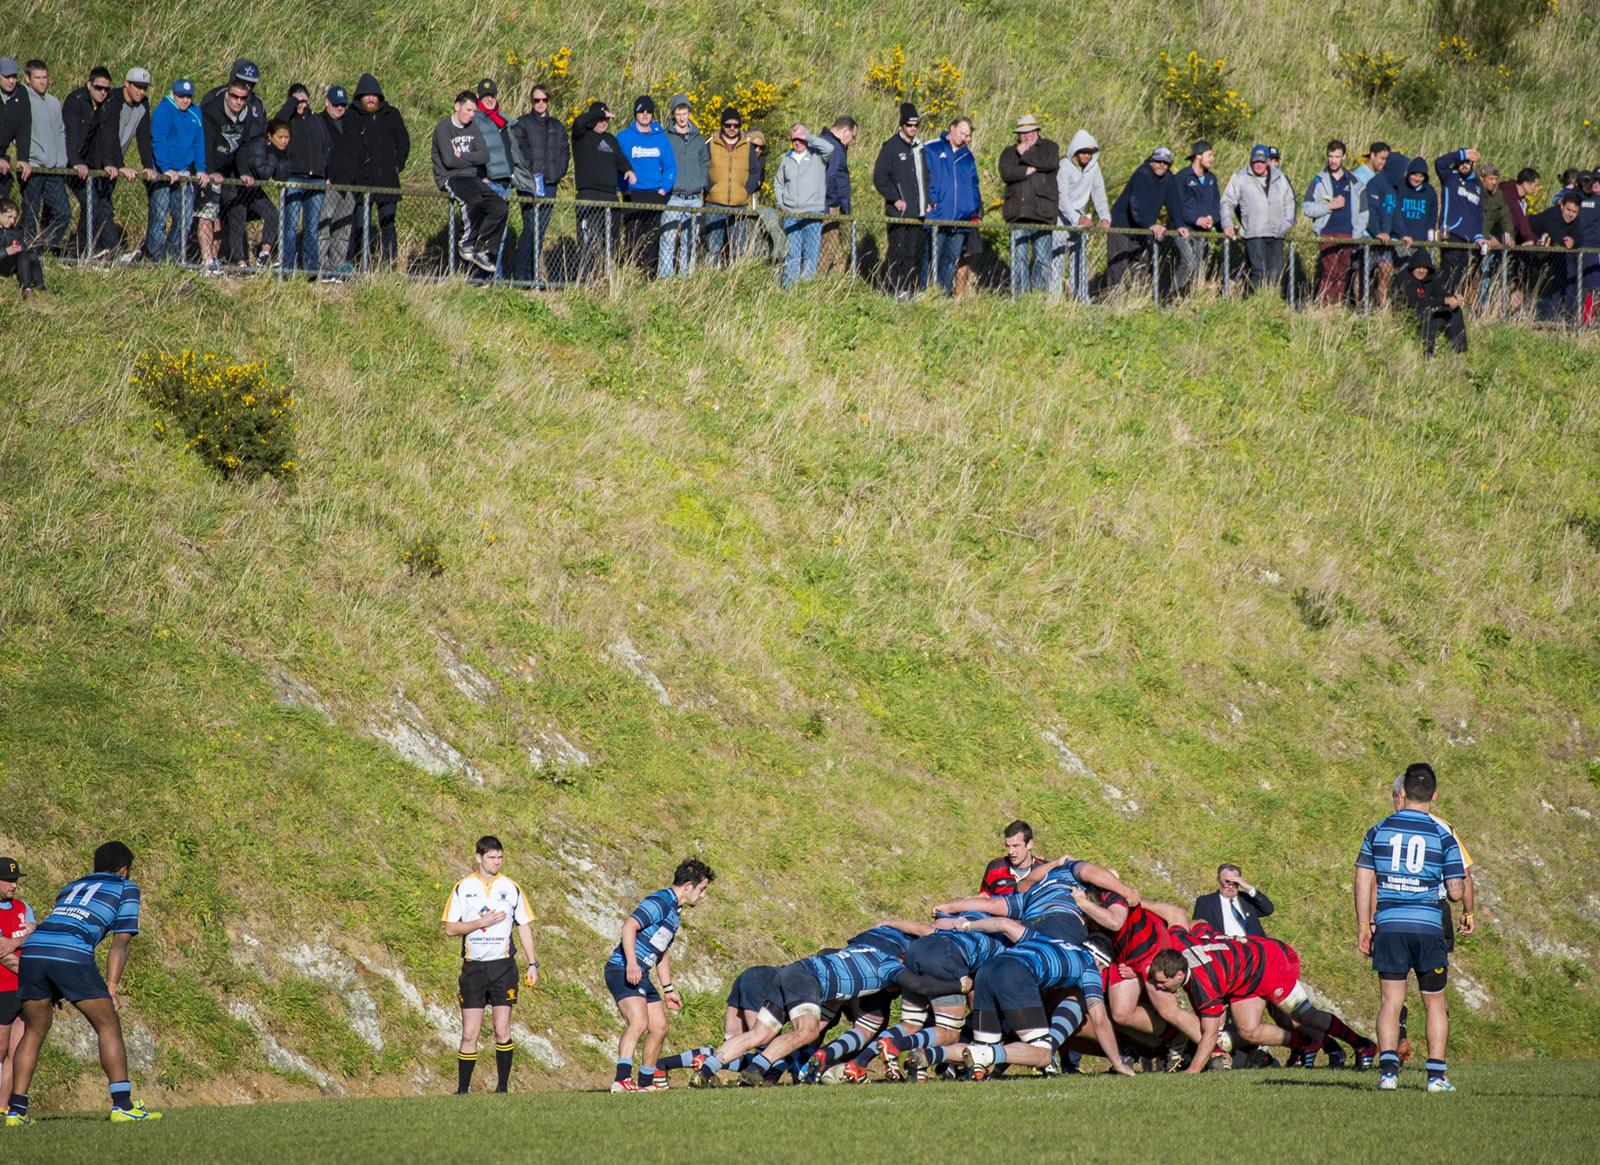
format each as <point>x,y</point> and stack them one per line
<point>1257,205</point>
<point>1028,168</point>
<point>1150,192</point>
<point>1199,209</point>
<point>46,209</point>
<point>16,124</point>
<point>125,122</point>
<point>680,232</point>
<point>178,146</point>
<point>459,155</point>
<point>1080,188</point>
<point>88,156</point>
<point>542,158</point>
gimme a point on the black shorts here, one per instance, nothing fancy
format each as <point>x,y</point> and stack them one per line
<point>1061,924</point>
<point>488,983</point>
<point>798,986</point>
<point>936,958</point>
<point>1006,986</point>
<point>10,1008</point>
<point>617,983</point>
<point>755,988</point>
<point>55,981</point>
<point>873,1005</point>
<point>973,246</point>
<point>1397,955</point>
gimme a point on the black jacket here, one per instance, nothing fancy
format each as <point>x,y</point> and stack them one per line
<point>541,141</point>
<point>382,146</point>
<point>233,148</point>
<point>344,159</point>
<point>110,149</point>
<point>838,172</point>
<point>82,119</point>
<point>308,140</point>
<point>16,123</point>
<point>901,175</point>
<point>1208,908</point>
<point>1144,198</point>
<point>597,159</point>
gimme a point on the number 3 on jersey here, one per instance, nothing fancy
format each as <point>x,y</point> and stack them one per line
<point>1416,848</point>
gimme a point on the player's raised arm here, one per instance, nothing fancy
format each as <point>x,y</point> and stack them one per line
<point>1110,917</point>
<point>979,905</point>
<point>906,926</point>
<point>1168,913</point>
<point>1093,875</point>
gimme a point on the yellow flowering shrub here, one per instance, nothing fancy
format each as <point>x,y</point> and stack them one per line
<point>423,557</point>
<point>938,93</point>
<point>231,415</point>
<point>1372,76</point>
<point>1196,90</point>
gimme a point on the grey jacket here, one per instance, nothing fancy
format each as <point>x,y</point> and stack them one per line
<point>1264,207</point>
<point>693,155</point>
<point>1320,193</point>
<point>801,186</point>
<point>447,139</point>
<point>49,131</point>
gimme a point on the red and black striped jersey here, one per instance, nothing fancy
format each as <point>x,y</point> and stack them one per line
<point>1220,969</point>
<point>1000,879</point>
<point>1141,936</point>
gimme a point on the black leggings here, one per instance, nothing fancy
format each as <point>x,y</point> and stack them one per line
<point>26,267</point>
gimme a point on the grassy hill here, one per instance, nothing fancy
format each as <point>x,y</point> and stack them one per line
<point>819,587</point>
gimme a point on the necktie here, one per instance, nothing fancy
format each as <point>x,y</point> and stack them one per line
<point>1233,905</point>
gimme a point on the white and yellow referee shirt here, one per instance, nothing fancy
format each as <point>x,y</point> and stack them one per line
<point>472,898</point>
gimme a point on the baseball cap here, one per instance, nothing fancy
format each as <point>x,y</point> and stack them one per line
<point>337,96</point>
<point>245,71</point>
<point>487,88</point>
<point>137,76</point>
<point>183,87</point>
<point>1272,152</point>
<point>1161,154</point>
<point>645,104</point>
<point>8,67</point>
<point>1198,147</point>
<point>9,870</point>
<point>1259,153</point>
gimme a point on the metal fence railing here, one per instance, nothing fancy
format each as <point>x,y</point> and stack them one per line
<point>334,233</point>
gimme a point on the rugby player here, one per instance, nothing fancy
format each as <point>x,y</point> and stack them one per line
<point>647,935</point>
<point>1137,933</point>
<point>482,910</point>
<point>1244,976</point>
<point>56,962</point>
<point>1007,995</point>
<point>1001,876</point>
<point>1403,861</point>
<point>751,990</point>
<point>1044,899</point>
<point>16,923</point>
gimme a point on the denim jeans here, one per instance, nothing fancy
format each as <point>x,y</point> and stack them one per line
<point>1030,260</point>
<point>166,230</point>
<point>530,245</point>
<point>680,233</point>
<point>1069,266</point>
<point>724,230</point>
<point>301,228</point>
<point>805,240</point>
<point>338,219</point>
<point>50,190</point>
<point>944,251</point>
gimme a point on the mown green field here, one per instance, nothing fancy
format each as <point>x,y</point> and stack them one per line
<point>1541,1111</point>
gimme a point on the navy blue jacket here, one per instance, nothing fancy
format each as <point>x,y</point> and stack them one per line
<point>1198,196</point>
<point>952,181</point>
<point>1461,208</point>
<point>838,173</point>
<point>1416,211</point>
<point>1383,195</point>
<point>1144,198</point>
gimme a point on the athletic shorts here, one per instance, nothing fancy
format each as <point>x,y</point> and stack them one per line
<point>972,245</point>
<point>798,988</point>
<point>1448,921</point>
<point>208,203</point>
<point>617,983</point>
<point>1061,924</point>
<point>875,1004</point>
<point>1280,973</point>
<point>755,988</point>
<point>936,958</point>
<point>55,981</point>
<point>10,1008</point>
<point>1004,985</point>
<point>1395,955</point>
<point>488,983</point>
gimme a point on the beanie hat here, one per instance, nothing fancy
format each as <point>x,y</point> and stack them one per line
<point>645,104</point>
<point>909,114</point>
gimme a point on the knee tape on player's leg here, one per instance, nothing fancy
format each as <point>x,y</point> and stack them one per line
<point>949,1020</point>
<point>814,1010</point>
<point>1297,1003</point>
<point>986,1027</point>
<point>914,1012</point>
<point>1036,1037</point>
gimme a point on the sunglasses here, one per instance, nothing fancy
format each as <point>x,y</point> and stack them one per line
<point>101,88</point>
<point>800,141</point>
<point>541,101</point>
<point>730,125</point>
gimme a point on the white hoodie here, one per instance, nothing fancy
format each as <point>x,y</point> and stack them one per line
<point>1077,188</point>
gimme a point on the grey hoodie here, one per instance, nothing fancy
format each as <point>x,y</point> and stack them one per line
<point>1077,189</point>
<point>693,155</point>
<point>801,186</point>
<point>448,137</point>
<point>49,146</point>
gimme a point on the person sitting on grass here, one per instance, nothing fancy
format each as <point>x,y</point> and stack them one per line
<point>1437,311</point>
<point>15,259</point>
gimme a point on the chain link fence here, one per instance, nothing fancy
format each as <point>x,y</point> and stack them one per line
<point>334,233</point>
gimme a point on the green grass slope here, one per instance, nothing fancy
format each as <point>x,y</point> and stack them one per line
<point>822,588</point>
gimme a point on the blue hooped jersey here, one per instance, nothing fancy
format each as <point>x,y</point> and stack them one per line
<point>1052,895</point>
<point>658,920</point>
<point>1413,855</point>
<point>977,947</point>
<point>85,912</point>
<point>1058,964</point>
<point>854,971</point>
<point>886,938</point>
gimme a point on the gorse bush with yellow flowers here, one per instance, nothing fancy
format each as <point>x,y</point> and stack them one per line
<point>1490,28</point>
<point>1197,92</point>
<point>232,415</point>
<point>938,93</point>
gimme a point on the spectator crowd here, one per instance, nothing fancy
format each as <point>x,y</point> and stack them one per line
<point>683,195</point>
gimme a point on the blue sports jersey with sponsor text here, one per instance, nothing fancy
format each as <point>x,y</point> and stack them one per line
<point>658,920</point>
<point>1412,855</point>
<point>1051,895</point>
<point>886,938</point>
<point>85,912</point>
<point>1054,963</point>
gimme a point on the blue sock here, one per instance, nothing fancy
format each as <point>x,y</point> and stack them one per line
<point>19,1103</point>
<point>1435,1070</point>
<point>937,1056</point>
<point>121,1094</point>
<point>624,1070</point>
<point>846,1045</point>
<point>734,1065</point>
<point>922,1039</point>
<point>759,1062</point>
<point>999,1053</point>
<point>1389,1063</point>
<point>711,1065</point>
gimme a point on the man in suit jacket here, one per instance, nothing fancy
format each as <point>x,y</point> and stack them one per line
<point>1237,907</point>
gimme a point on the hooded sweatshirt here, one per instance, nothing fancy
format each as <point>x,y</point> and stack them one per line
<point>125,122</point>
<point>49,144</point>
<point>1263,206</point>
<point>838,173</point>
<point>1426,295</point>
<point>650,157</point>
<point>16,122</point>
<point>801,185</point>
<point>177,139</point>
<point>1077,189</point>
<point>308,141</point>
<point>233,148</point>
<point>1504,214</point>
<point>952,182</point>
<point>598,163</point>
<point>458,151</point>
<point>1198,196</point>
<point>1417,211</point>
<point>1142,200</point>
<point>382,142</point>
<point>1461,206</point>
<point>692,156</point>
<point>1383,195</point>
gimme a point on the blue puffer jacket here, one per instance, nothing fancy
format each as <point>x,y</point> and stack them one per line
<point>177,138</point>
<point>650,156</point>
<point>1461,199</point>
<point>952,181</point>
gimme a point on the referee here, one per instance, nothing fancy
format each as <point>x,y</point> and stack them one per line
<point>482,910</point>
